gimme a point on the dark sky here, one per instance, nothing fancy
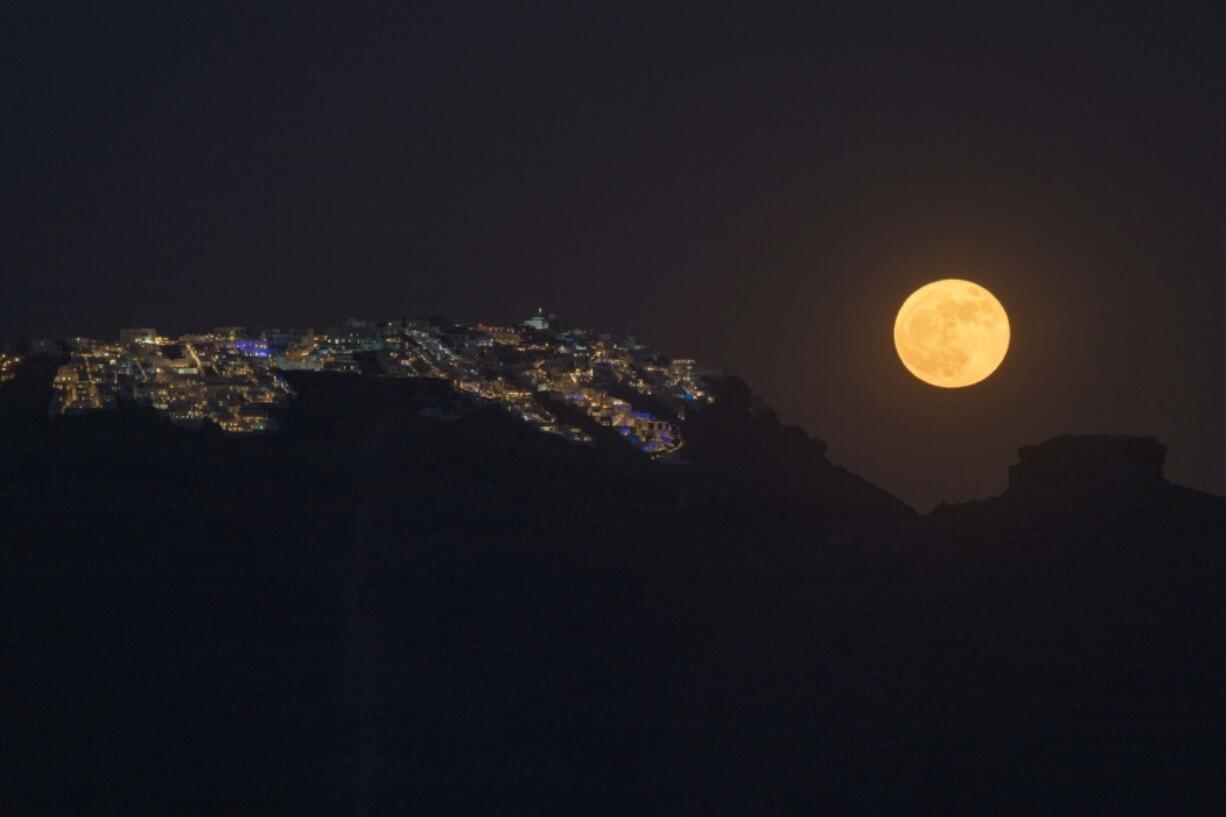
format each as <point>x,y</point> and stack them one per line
<point>759,189</point>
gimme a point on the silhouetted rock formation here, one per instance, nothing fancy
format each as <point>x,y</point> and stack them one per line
<point>1087,464</point>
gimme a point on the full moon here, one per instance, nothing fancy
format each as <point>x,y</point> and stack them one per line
<point>951,333</point>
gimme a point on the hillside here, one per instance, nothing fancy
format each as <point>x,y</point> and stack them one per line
<point>405,599</point>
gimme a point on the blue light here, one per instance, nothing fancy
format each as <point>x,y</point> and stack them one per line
<point>252,348</point>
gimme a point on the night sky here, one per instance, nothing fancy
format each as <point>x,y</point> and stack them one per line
<point>759,190</point>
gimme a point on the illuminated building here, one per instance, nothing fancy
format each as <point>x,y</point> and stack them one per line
<point>140,335</point>
<point>542,322</point>
<point>8,367</point>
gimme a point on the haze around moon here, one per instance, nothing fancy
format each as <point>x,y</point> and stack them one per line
<point>951,333</point>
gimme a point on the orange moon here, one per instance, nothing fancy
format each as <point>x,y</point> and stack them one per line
<point>951,333</point>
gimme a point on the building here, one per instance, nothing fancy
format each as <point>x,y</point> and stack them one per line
<point>140,335</point>
<point>542,322</point>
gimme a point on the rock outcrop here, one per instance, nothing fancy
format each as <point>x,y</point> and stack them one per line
<point>1083,465</point>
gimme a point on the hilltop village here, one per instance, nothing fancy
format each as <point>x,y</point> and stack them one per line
<point>233,376</point>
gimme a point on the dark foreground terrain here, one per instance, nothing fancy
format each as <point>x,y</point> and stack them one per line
<point>381,612</point>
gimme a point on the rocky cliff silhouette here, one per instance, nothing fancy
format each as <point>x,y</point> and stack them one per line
<point>375,611</point>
